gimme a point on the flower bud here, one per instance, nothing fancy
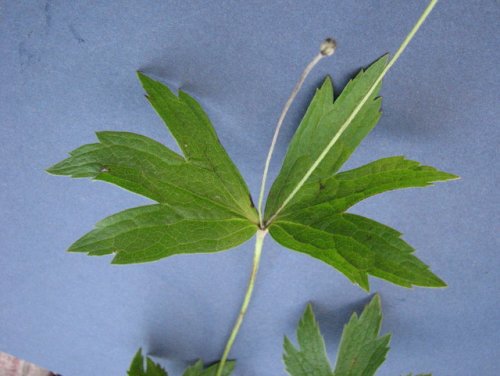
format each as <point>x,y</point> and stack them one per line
<point>328,47</point>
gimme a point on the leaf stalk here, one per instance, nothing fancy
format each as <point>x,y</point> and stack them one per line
<point>259,241</point>
<point>327,49</point>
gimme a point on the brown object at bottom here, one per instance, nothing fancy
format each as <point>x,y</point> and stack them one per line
<point>12,366</point>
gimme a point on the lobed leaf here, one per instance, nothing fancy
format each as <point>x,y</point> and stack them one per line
<point>320,124</point>
<point>310,359</point>
<point>361,350</point>
<point>197,139</point>
<point>308,215</point>
<point>204,204</point>
<point>354,245</point>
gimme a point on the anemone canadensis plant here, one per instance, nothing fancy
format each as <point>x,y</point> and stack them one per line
<point>203,204</point>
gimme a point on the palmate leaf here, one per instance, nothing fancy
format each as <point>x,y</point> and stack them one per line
<point>203,202</point>
<point>141,366</point>
<point>361,350</point>
<point>314,221</point>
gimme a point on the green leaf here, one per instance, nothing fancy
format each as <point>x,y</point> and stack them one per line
<point>138,368</point>
<point>354,245</point>
<point>204,204</point>
<point>149,233</point>
<point>361,350</point>
<point>198,370</point>
<point>321,123</point>
<point>196,137</point>
<point>308,215</point>
<point>310,359</point>
<point>343,190</point>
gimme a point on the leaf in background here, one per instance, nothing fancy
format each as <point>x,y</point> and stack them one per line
<point>137,368</point>
<point>204,204</point>
<point>198,370</point>
<point>314,221</point>
<point>310,359</point>
<point>361,350</point>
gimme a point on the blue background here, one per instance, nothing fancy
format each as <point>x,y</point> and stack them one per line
<point>67,69</point>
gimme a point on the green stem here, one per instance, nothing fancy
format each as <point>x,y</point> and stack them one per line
<point>259,241</point>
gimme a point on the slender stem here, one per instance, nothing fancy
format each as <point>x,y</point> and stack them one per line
<point>360,105</point>
<point>327,49</point>
<point>323,53</point>
<point>259,240</point>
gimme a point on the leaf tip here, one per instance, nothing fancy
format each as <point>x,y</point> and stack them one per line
<point>376,302</point>
<point>52,170</point>
<point>144,78</point>
<point>451,176</point>
<point>438,283</point>
<point>140,75</point>
<point>309,313</point>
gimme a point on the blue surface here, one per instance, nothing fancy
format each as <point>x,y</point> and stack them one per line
<point>67,70</point>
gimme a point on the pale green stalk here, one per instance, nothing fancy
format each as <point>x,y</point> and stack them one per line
<point>327,49</point>
<point>346,124</point>
<point>259,240</point>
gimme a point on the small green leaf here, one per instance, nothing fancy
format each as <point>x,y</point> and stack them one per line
<point>138,368</point>
<point>361,350</point>
<point>310,359</point>
<point>198,370</point>
<point>354,245</point>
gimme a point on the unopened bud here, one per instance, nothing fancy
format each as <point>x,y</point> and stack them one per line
<point>328,47</point>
